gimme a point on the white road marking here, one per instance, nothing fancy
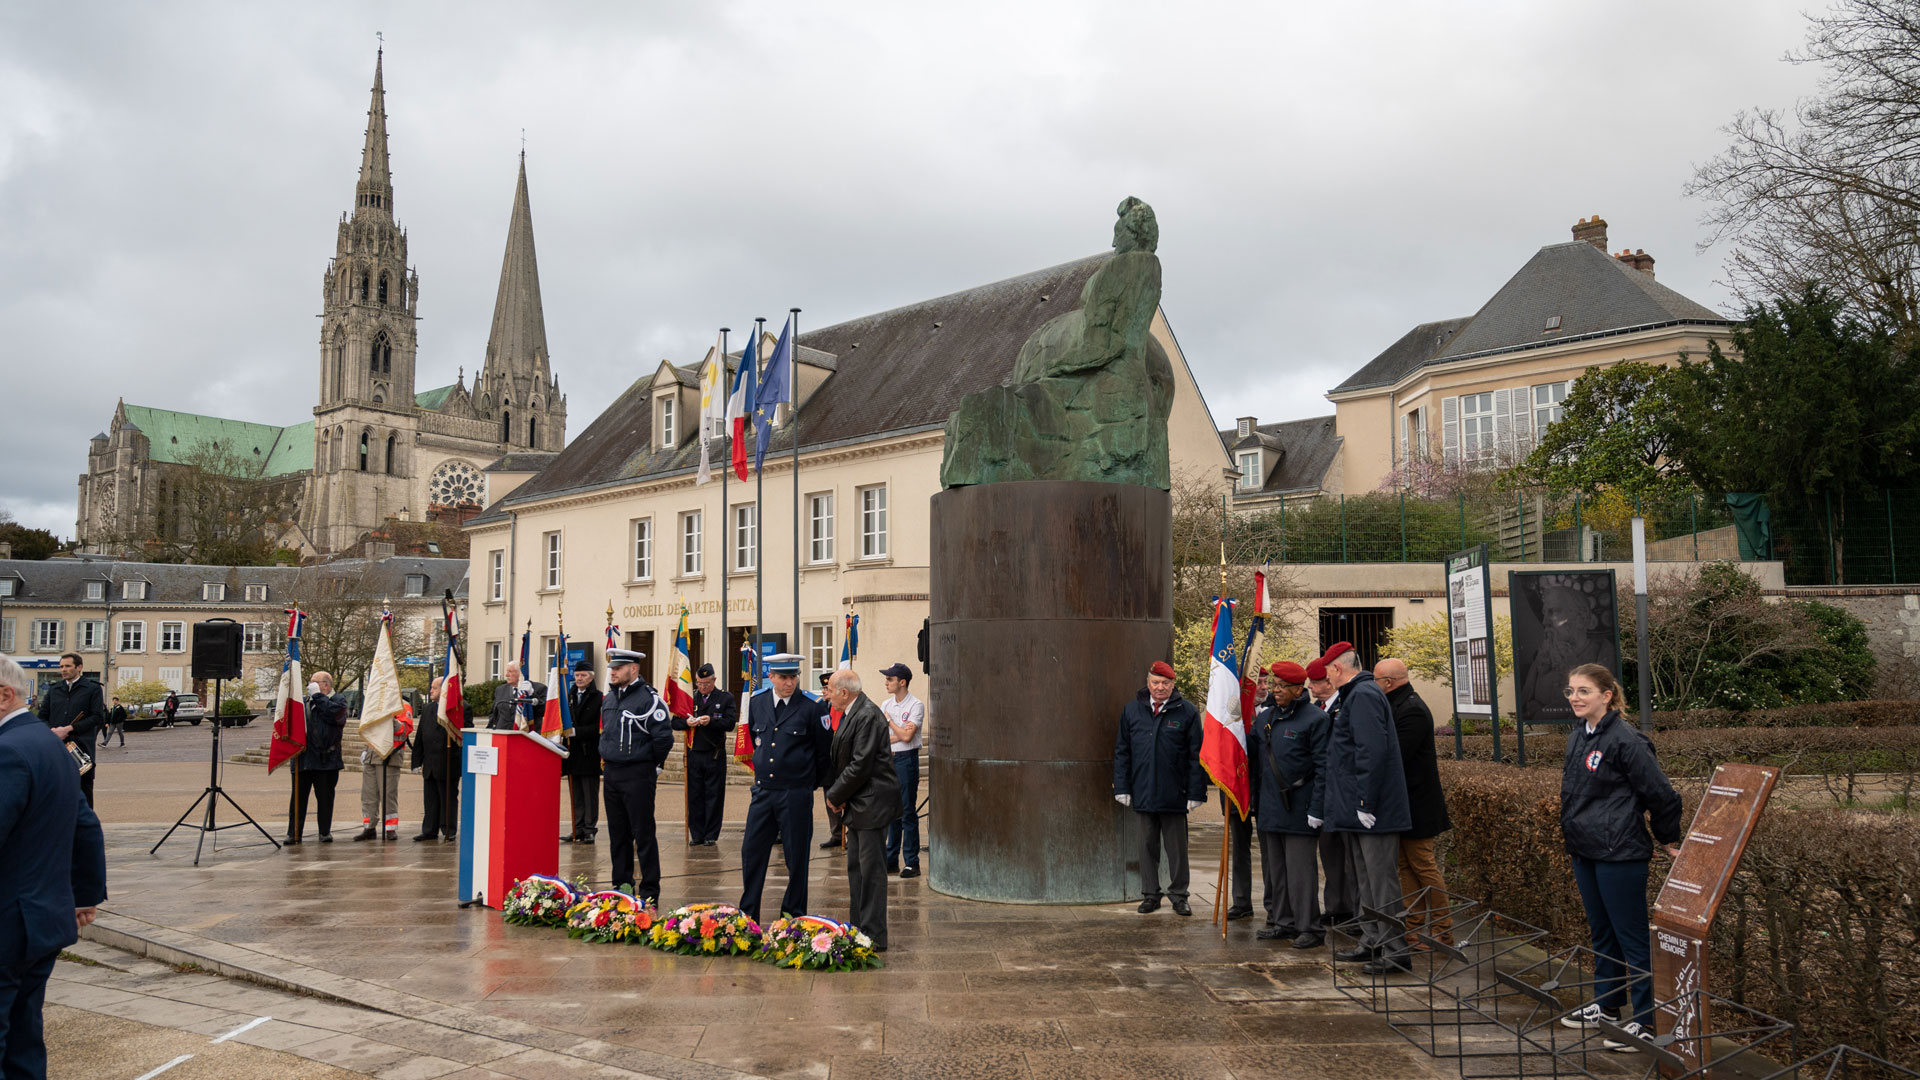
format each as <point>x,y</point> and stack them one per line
<point>243,1028</point>
<point>164,1068</point>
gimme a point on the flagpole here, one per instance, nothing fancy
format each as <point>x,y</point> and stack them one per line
<point>726,473</point>
<point>1226,811</point>
<point>793,412</point>
<point>759,488</point>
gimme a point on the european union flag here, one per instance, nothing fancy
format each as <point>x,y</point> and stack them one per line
<point>776,386</point>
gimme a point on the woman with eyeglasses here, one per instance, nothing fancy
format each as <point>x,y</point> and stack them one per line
<point>1610,786</point>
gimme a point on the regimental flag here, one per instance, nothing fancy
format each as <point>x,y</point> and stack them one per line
<point>740,403</point>
<point>713,405</point>
<point>1223,741</point>
<point>1256,642</point>
<point>850,645</point>
<point>382,701</point>
<point>452,712</point>
<point>553,718</point>
<point>526,646</point>
<point>289,701</point>
<point>776,387</point>
<point>743,733</point>
<point>613,642</point>
<point>680,686</point>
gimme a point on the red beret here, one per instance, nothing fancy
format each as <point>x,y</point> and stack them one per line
<point>1162,669</point>
<point>1334,653</point>
<point>1316,669</point>
<point>1289,672</point>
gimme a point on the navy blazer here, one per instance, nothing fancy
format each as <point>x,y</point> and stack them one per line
<point>792,745</point>
<point>53,858</point>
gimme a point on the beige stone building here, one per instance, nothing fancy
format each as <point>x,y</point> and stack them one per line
<point>376,448</point>
<point>618,520</point>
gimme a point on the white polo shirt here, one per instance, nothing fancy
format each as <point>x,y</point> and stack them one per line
<point>906,710</point>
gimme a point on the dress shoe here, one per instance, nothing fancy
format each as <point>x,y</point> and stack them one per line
<point>326,838</point>
<point>587,839</point>
<point>1309,941</point>
<point>423,837</point>
<point>365,834</point>
<point>1388,965</point>
<point>829,843</point>
<point>1355,955</point>
<point>1273,933</point>
<point>911,871</point>
<point>1180,907</point>
<point>893,868</point>
<point>290,841</point>
<point>570,838</point>
<point>1235,914</point>
<point>392,836</point>
<point>452,837</point>
<point>1148,906</point>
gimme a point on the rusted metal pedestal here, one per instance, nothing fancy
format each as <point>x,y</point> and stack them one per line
<point>1049,601</point>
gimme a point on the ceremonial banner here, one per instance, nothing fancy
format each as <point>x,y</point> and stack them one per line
<point>740,403</point>
<point>680,686</point>
<point>713,406</point>
<point>1256,642</point>
<point>382,701</point>
<point>1223,743</point>
<point>553,719</point>
<point>452,711</point>
<point>289,701</point>
<point>850,645</point>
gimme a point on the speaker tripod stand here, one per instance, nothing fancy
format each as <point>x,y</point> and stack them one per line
<point>212,796</point>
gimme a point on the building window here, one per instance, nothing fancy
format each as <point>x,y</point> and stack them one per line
<point>47,634</point>
<point>363,451</point>
<point>172,677</point>
<point>690,561</point>
<point>256,594</point>
<point>93,635</point>
<point>130,674</point>
<point>549,647</point>
<point>392,444</point>
<point>1250,478</point>
<point>552,546</point>
<point>133,590</point>
<point>133,636</point>
<point>6,588</point>
<point>820,527</point>
<point>746,537</point>
<point>1414,444</point>
<point>497,576</point>
<point>173,636</point>
<point>416,585</point>
<point>820,655</point>
<point>643,549</point>
<point>1476,425</point>
<point>1244,427</point>
<point>1549,405</point>
<point>380,360</point>
<point>213,591</point>
<point>873,522</point>
<point>668,436</point>
<point>493,660</point>
<point>253,637</point>
<point>6,635</point>
<point>96,590</point>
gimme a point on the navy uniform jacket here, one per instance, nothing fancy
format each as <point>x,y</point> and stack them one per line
<point>51,849</point>
<point>792,745</point>
<point>1364,769</point>
<point>710,739</point>
<point>1156,759</point>
<point>634,726</point>
<point>1287,756</point>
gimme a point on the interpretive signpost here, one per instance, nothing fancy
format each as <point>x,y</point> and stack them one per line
<point>1470,642</point>
<point>1683,913</point>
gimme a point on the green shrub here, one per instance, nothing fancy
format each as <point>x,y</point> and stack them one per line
<point>479,699</point>
<point>234,706</point>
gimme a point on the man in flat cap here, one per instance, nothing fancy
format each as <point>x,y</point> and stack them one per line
<point>709,748</point>
<point>636,738</point>
<point>792,755</point>
<point>1287,756</point>
<point>1157,774</point>
<point>1367,800</point>
<point>582,764</point>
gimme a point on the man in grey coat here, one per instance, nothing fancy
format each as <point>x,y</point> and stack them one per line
<point>866,793</point>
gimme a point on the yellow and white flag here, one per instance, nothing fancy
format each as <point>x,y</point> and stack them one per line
<point>713,407</point>
<point>382,699</point>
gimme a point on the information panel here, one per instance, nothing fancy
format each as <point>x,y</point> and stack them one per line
<point>1470,631</point>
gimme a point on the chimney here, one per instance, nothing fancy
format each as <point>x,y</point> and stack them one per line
<point>1244,426</point>
<point>1593,230</point>
<point>1638,259</point>
<point>6,549</point>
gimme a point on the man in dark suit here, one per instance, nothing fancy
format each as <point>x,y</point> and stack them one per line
<point>517,704</point>
<point>53,870</point>
<point>581,766</point>
<point>865,791</point>
<point>792,751</point>
<point>75,709</point>
<point>439,771</point>
<point>709,749</point>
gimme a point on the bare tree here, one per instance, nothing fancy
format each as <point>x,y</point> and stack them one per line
<point>217,507</point>
<point>343,609</point>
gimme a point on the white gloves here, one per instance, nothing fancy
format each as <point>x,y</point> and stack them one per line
<point>1314,822</point>
<point>1367,819</point>
<point>1124,800</point>
<point>1192,806</point>
<point>313,688</point>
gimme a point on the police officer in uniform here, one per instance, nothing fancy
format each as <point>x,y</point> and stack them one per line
<point>709,749</point>
<point>636,736</point>
<point>792,755</point>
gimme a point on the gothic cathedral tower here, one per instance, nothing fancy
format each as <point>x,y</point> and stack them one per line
<point>516,388</point>
<point>364,420</point>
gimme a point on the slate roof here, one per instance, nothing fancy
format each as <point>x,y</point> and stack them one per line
<point>173,435</point>
<point>1305,448</point>
<point>1591,292</point>
<point>894,372</point>
<point>63,581</point>
<point>523,461</point>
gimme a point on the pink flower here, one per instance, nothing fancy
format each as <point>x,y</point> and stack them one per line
<point>822,941</point>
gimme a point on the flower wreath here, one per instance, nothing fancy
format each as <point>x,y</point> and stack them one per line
<point>539,900</point>
<point>809,941</point>
<point>705,930</point>
<point>609,916</point>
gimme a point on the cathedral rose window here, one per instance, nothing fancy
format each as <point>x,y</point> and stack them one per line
<point>457,483</point>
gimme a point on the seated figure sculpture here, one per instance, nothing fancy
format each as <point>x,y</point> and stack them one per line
<point>1091,389</point>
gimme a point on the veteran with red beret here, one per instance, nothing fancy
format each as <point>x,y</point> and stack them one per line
<point>1157,774</point>
<point>1287,759</point>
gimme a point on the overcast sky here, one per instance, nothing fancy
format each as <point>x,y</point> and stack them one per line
<point>171,176</point>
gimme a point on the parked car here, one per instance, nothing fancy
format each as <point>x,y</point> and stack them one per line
<point>191,711</point>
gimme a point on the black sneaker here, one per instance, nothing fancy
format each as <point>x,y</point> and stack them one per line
<point>1588,1016</point>
<point>911,871</point>
<point>1640,1038</point>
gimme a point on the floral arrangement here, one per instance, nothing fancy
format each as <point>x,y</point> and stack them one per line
<point>705,930</point>
<point>609,916</point>
<point>808,941</point>
<point>540,900</point>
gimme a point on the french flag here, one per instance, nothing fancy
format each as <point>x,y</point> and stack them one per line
<point>452,713</point>
<point>553,718</point>
<point>740,404</point>
<point>289,701</point>
<point>1223,740</point>
<point>680,687</point>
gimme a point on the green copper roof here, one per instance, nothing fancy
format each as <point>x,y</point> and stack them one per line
<point>174,435</point>
<point>434,398</point>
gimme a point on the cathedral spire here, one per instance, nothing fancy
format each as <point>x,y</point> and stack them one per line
<point>375,190</point>
<point>517,347</point>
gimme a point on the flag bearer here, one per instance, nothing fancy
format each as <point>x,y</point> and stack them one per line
<point>636,738</point>
<point>1287,755</point>
<point>792,755</point>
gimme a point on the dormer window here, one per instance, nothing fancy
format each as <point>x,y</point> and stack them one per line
<point>1245,427</point>
<point>1252,478</point>
<point>669,436</point>
<point>213,591</point>
<point>9,588</point>
<point>96,590</point>
<point>133,590</point>
<point>416,585</point>
<point>256,594</point>
<point>1553,323</point>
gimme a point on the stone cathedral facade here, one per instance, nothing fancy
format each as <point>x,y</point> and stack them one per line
<point>376,448</point>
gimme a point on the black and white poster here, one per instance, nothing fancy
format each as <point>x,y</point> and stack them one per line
<point>1561,619</point>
